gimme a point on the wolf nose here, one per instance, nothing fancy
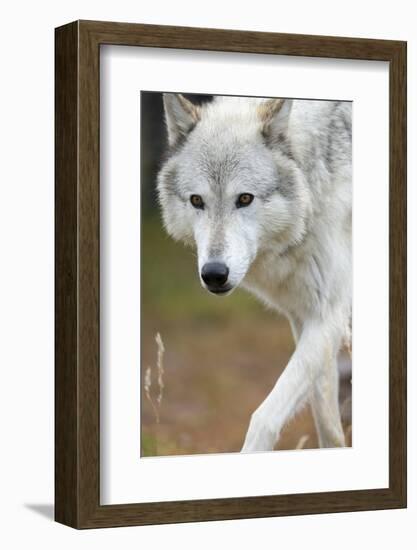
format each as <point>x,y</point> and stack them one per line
<point>214,274</point>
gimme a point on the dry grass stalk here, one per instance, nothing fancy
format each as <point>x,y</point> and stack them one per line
<point>148,384</point>
<point>302,441</point>
<point>156,405</point>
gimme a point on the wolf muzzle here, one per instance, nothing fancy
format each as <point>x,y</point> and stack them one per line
<point>215,275</point>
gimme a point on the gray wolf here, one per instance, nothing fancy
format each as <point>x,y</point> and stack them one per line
<point>261,187</point>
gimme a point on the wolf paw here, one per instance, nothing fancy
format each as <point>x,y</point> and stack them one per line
<point>260,436</point>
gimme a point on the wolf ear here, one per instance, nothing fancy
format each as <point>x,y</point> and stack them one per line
<point>274,115</point>
<point>181,116</point>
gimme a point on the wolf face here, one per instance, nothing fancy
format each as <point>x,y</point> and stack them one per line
<point>231,186</point>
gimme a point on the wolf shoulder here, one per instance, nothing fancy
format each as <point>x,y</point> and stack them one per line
<point>314,122</point>
<point>321,115</point>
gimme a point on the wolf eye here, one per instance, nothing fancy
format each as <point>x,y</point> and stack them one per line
<point>244,200</point>
<point>197,201</point>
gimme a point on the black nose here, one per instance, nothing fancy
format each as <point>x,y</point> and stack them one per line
<point>214,274</point>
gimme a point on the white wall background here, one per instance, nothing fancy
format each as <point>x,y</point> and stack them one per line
<point>26,274</point>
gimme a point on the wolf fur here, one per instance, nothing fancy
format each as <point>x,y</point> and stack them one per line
<point>291,246</point>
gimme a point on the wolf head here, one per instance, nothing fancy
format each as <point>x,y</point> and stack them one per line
<point>231,186</point>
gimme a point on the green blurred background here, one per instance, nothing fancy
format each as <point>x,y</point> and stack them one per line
<point>222,354</point>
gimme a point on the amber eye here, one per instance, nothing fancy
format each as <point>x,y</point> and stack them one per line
<point>197,201</point>
<point>244,200</point>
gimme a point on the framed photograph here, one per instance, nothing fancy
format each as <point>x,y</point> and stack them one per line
<point>230,274</point>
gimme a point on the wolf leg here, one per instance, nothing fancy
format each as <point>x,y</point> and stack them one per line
<point>294,387</point>
<point>325,406</point>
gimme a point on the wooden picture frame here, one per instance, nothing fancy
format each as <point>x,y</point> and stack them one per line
<point>77,374</point>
